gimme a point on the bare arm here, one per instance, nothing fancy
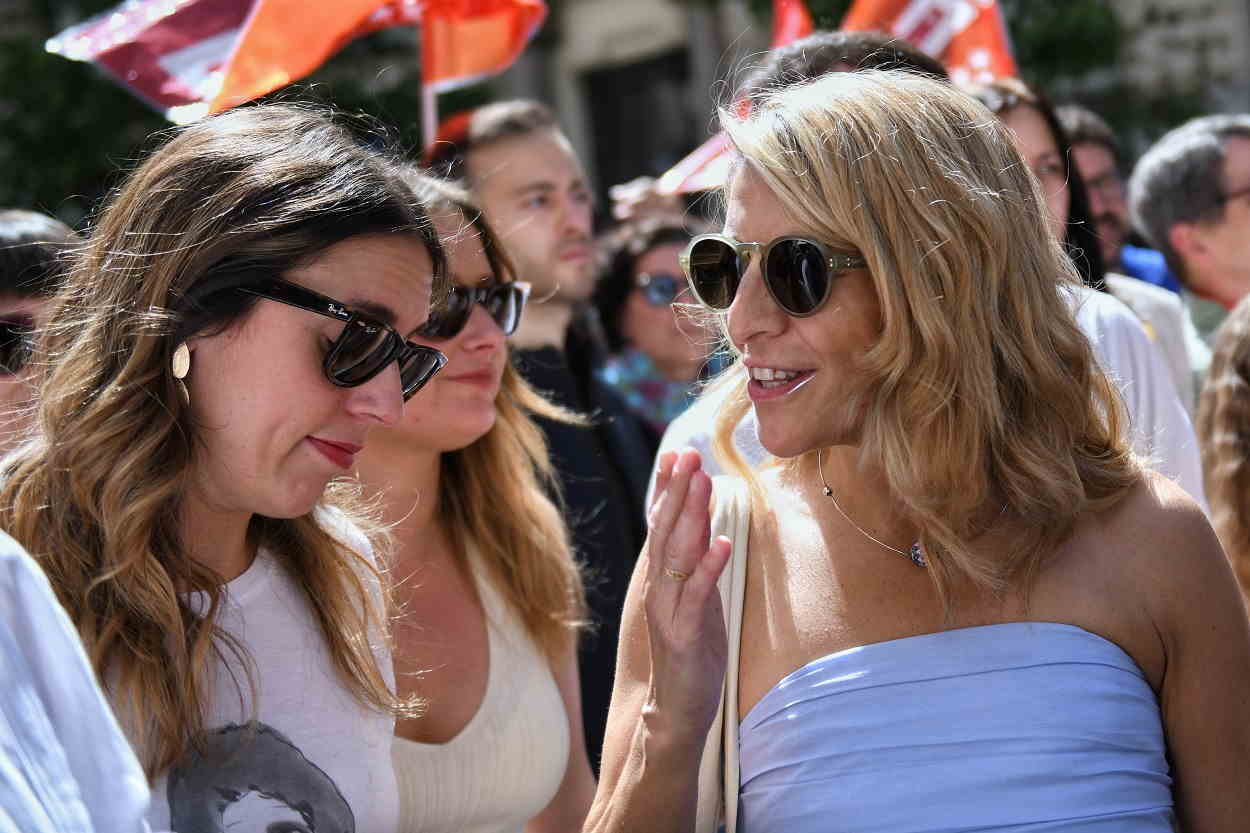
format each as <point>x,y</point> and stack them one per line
<point>670,666</point>
<point>567,811</point>
<point>1205,693</point>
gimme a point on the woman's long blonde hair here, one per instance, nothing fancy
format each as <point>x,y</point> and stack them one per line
<point>496,494</point>
<point>1224,434</point>
<point>97,496</point>
<point>982,389</point>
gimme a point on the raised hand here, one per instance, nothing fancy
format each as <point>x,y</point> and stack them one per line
<point>685,625</point>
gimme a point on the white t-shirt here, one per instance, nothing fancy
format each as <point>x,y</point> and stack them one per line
<point>1161,431</point>
<point>65,766</point>
<point>316,759</point>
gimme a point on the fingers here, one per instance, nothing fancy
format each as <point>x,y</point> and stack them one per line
<point>663,474</point>
<point>671,489</point>
<point>688,537</point>
<point>693,607</point>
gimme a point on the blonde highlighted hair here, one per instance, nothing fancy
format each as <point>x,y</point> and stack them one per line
<point>496,494</point>
<point>1223,425</point>
<point>983,392</point>
<point>98,495</point>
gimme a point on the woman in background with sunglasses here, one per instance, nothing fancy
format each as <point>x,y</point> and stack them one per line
<point>658,350</point>
<point>955,601</point>
<point>489,596</point>
<point>227,338</point>
<point>33,250</point>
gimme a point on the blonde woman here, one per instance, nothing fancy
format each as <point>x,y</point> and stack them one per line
<point>956,602</point>
<point>232,331</point>
<point>1224,433</point>
<point>490,599</point>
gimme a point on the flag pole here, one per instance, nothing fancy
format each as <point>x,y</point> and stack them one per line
<point>429,116</point>
<point>429,96</point>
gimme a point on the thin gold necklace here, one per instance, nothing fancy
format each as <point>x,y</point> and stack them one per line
<point>916,554</point>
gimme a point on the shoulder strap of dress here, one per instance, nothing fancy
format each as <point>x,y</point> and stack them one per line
<point>718,771</point>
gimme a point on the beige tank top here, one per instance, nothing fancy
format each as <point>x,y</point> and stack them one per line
<point>507,763</point>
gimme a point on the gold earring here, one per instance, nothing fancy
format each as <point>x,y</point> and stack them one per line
<point>180,367</point>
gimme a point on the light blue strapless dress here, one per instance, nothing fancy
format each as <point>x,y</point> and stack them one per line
<point>1028,726</point>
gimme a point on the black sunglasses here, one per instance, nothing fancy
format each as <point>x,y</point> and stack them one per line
<point>16,344</point>
<point>659,289</point>
<point>798,272</point>
<point>364,348</point>
<point>504,302</point>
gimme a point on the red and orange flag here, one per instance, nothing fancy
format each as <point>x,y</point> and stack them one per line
<point>967,36</point>
<point>192,57</point>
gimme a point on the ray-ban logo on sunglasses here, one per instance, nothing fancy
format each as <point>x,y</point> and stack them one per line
<point>336,309</point>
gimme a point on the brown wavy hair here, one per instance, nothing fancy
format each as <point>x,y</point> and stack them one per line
<point>1223,425</point>
<point>983,390</point>
<point>96,497</point>
<point>500,494</point>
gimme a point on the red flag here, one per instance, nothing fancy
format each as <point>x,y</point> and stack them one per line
<point>968,36</point>
<point>170,54</point>
<point>791,21</point>
<point>464,40</point>
<point>707,166</point>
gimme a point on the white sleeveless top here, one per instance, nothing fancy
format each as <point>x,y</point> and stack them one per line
<point>507,763</point>
<point>316,758</point>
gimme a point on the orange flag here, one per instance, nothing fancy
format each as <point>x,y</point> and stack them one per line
<point>967,36</point>
<point>791,21</point>
<point>284,40</point>
<point>464,40</point>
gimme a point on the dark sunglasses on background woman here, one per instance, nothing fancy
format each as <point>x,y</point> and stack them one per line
<point>798,272</point>
<point>504,303</point>
<point>659,289</point>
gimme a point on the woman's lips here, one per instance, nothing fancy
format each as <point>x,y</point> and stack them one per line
<point>488,378</point>
<point>340,454</point>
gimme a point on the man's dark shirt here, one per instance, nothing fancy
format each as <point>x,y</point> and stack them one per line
<point>603,470</point>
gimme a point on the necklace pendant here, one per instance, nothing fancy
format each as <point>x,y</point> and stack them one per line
<point>917,555</point>
<point>828,492</point>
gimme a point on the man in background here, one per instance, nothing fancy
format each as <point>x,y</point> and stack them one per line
<point>1190,197</point>
<point>1096,153</point>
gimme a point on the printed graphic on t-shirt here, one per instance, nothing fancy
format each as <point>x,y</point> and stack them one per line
<point>253,778</point>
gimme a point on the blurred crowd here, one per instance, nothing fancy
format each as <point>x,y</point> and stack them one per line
<point>224,609</point>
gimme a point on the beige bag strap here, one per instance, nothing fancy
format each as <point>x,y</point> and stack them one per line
<point>718,770</point>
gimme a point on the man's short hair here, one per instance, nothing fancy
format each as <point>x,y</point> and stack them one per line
<point>1084,126</point>
<point>822,52</point>
<point>33,250</point>
<point>1180,180</point>
<point>484,126</point>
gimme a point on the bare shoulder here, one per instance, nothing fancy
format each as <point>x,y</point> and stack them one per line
<point>1168,547</point>
<point>1162,527</point>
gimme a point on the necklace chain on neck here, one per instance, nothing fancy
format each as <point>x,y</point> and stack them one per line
<point>916,554</point>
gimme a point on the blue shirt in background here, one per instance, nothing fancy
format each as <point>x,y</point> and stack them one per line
<point>1148,265</point>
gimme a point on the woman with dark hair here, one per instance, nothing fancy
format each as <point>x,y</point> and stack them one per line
<point>1155,374</point>
<point>658,350</point>
<point>233,328</point>
<point>1045,147</point>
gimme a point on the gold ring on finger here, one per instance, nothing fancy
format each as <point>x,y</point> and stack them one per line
<point>676,575</point>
